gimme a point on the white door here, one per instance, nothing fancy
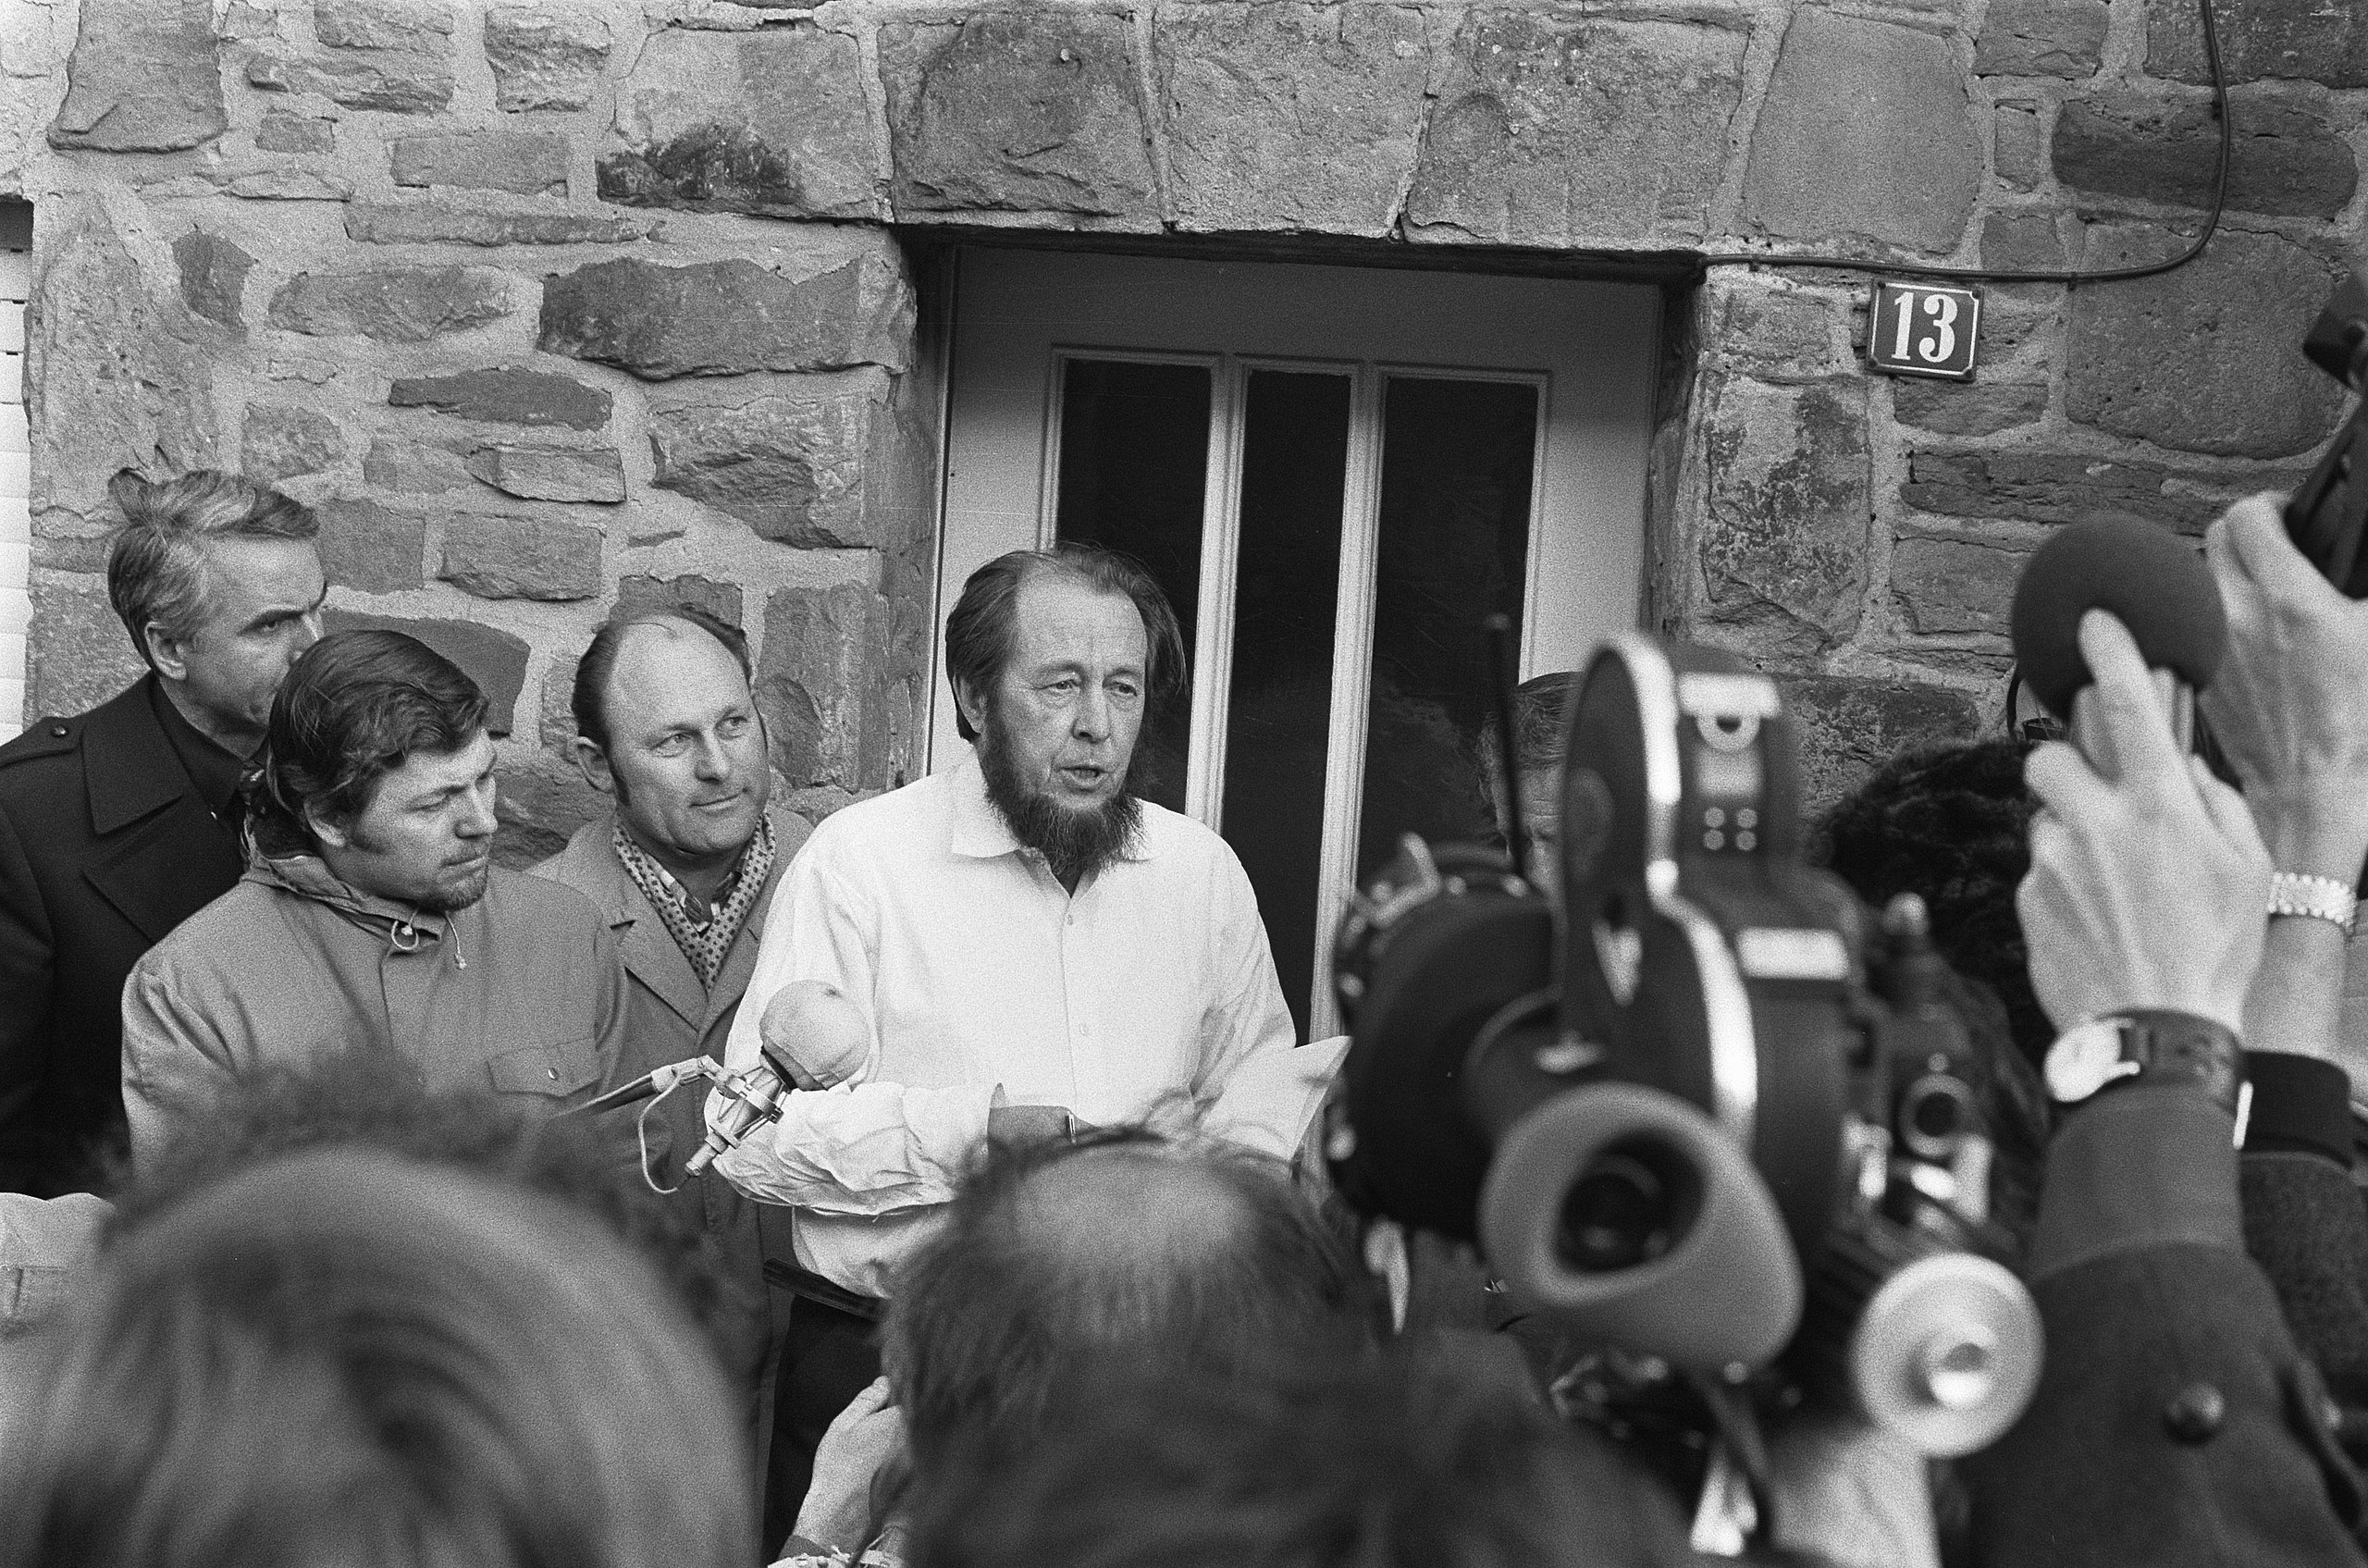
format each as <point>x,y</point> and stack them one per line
<point>1336,474</point>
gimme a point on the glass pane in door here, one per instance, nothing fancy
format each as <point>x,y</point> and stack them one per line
<point>1133,467</point>
<point>1294,465</point>
<point>1457,461</point>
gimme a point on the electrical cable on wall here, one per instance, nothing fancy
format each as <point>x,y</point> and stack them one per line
<point>2064,274</point>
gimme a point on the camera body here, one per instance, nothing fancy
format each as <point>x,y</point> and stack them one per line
<point>1706,1110</point>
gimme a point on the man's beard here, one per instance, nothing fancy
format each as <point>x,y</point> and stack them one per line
<point>1076,844</point>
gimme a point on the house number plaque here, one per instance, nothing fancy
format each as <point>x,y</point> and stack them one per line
<point>1924,329</point>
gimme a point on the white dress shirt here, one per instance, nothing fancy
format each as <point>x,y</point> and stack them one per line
<point>1148,995</point>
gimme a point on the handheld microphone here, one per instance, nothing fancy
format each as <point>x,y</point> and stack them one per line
<point>751,1100</point>
<point>2147,578</point>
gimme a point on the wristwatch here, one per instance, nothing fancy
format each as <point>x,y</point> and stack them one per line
<point>2147,1045</point>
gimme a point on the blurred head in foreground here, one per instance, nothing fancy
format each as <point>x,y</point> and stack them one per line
<point>347,1358</point>
<point>1344,1462</point>
<point>1205,1261</point>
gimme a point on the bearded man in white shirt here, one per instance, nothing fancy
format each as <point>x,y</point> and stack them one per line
<point>1035,949</point>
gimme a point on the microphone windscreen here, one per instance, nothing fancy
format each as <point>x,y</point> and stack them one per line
<point>2149,578</point>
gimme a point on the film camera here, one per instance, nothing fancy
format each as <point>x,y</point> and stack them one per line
<point>1707,1112</point>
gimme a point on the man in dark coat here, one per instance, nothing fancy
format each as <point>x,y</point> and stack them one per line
<point>116,824</point>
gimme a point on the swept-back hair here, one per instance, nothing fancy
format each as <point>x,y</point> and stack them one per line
<point>345,1357</point>
<point>355,707</point>
<point>588,700</point>
<point>156,568</point>
<point>984,628</point>
<point>1009,1297</point>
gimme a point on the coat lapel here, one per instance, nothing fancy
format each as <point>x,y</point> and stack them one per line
<point>163,857</point>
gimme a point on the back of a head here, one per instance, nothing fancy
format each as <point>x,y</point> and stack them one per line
<point>353,707</point>
<point>347,1358</point>
<point>1951,824</point>
<point>1209,1262</point>
<point>1339,1463</point>
<point>156,564</point>
<point>365,1099</point>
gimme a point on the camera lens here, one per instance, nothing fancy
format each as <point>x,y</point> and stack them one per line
<point>1628,1207</point>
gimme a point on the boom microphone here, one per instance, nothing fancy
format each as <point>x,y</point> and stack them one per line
<point>2149,579</point>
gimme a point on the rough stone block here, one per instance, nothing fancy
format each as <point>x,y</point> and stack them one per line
<point>280,185</point>
<point>495,660</point>
<point>1867,133</point>
<point>774,122</point>
<point>820,685</point>
<point>1788,476</point>
<point>522,558</point>
<point>1967,408</point>
<point>522,161</point>
<point>403,80</point>
<point>214,276</point>
<point>2197,359</point>
<point>76,653</point>
<point>2029,486</point>
<point>557,730</point>
<point>2064,38</point>
<point>119,376</point>
<point>721,318</point>
<point>440,223</point>
<point>382,24</point>
<point>1559,132</point>
<point>282,442</point>
<point>1292,115</point>
<point>1023,111</point>
<point>2022,242</point>
<point>2313,40</point>
<point>544,60</point>
<point>283,132</point>
<point>394,304</point>
<point>2287,157</point>
<point>719,599</point>
<point>143,78</point>
<point>536,473</point>
<point>510,395</point>
<point>418,467</point>
<point>793,468</point>
<point>1849,726</point>
<point>371,549</point>
<point>1953,586</point>
<point>540,803</point>
<point>2018,147</point>
<point>1781,331</point>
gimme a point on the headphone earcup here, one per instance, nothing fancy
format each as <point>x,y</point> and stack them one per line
<point>1625,1214</point>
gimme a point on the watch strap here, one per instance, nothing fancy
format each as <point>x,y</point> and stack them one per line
<point>2172,1047</point>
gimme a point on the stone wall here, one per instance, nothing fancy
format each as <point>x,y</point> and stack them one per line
<point>550,305</point>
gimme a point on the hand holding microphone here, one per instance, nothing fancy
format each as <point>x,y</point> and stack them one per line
<point>2148,883</point>
<point>2289,706</point>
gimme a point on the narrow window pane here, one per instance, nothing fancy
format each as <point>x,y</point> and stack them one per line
<point>1453,550</point>
<point>1134,463</point>
<point>1294,463</point>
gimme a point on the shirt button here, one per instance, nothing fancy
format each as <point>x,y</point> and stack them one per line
<point>2195,1412</point>
<point>552,1073</point>
<point>57,730</point>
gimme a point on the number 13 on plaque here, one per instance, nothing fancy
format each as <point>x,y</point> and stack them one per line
<point>1924,329</point>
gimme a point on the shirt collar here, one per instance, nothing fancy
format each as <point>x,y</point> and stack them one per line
<point>980,832</point>
<point>211,770</point>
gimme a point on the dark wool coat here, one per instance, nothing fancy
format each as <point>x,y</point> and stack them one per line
<point>104,847</point>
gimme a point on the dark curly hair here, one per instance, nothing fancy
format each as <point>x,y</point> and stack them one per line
<point>1951,824</point>
<point>360,1099</point>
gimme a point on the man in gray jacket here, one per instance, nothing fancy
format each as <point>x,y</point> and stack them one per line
<point>682,871</point>
<point>372,916</point>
